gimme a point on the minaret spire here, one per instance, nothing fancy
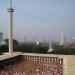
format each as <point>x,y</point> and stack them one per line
<point>10,4</point>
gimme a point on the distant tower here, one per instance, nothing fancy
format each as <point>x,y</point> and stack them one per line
<point>61,39</point>
<point>10,26</point>
<point>24,39</point>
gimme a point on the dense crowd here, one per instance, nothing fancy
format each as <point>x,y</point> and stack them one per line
<point>33,68</point>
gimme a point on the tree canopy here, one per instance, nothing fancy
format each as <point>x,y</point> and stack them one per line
<point>15,42</point>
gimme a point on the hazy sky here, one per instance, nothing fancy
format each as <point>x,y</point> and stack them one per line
<point>39,19</point>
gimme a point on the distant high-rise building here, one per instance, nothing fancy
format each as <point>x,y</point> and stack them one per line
<point>61,39</point>
<point>73,39</point>
<point>1,38</point>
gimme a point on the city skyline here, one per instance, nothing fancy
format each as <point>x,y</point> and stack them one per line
<point>36,19</point>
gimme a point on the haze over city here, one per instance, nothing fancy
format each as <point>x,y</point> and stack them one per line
<point>39,19</point>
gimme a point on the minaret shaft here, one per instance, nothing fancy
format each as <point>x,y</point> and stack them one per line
<point>10,31</point>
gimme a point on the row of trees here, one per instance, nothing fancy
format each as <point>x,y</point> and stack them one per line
<point>33,48</point>
<point>24,47</point>
<point>63,49</point>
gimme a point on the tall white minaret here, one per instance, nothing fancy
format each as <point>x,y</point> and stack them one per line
<point>10,26</point>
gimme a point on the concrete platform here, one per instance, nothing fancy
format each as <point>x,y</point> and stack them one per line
<point>8,55</point>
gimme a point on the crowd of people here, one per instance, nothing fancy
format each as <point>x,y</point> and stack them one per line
<point>33,68</point>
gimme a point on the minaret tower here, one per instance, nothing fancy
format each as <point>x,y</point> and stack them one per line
<point>10,26</point>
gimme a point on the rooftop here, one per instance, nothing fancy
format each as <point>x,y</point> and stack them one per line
<point>8,55</point>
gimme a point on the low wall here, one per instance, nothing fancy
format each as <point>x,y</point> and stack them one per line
<point>68,61</point>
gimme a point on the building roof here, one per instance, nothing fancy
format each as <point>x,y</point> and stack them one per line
<point>8,55</point>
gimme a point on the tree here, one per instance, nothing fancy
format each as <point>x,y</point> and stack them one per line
<point>39,49</point>
<point>63,49</point>
<point>15,42</point>
<point>23,48</point>
<point>3,48</point>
